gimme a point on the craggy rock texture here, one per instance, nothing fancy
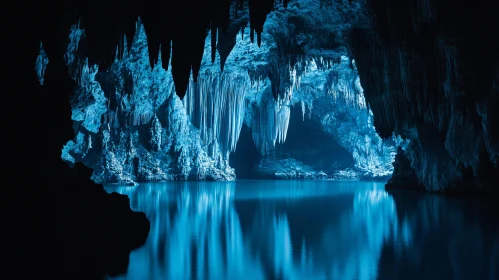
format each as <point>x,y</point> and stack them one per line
<point>333,99</point>
<point>309,47</point>
<point>429,67</point>
<point>288,168</point>
<point>403,175</point>
<point>130,125</point>
<point>337,102</point>
<point>430,70</point>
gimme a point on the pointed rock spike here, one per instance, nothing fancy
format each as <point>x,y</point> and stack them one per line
<point>213,41</point>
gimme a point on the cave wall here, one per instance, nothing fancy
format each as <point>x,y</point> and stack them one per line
<point>309,44</point>
<point>430,70</point>
<point>331,99</point>
<point>417,60</point>
<point>336,100</point>
<point>130,125</point>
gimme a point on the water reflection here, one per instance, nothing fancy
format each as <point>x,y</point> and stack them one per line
<point>449,238</point>
<point>303,230</point>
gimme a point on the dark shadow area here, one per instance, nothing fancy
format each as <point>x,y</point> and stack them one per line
<point>68,227</point>
<point>246,156</point>
<point>307,142</point>
<point>442,238</point>
<point>403,177</point>
<point>455,108</point>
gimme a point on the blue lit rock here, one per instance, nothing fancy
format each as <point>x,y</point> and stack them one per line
<point>130,125</point>
<point>288,169</point>
<point>41,64</point>
<point>343,113</point>
<point>324,82</point>
<point>335,97</point>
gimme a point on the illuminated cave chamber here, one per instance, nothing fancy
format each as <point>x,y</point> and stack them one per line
<point>328,131</point>
<point>297,104</point>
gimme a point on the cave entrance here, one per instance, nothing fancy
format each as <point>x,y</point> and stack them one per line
<point>246,156</point>
<point>307,142</point>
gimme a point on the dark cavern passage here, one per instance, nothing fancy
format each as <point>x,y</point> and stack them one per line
<point>135,92</point>
<point>306,145</point>
<point>246,157</point>
<point>306,142</point>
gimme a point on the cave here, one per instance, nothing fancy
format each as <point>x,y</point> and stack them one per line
<point>308,143</point>
<point>246,157</point>
<point>124,108</point>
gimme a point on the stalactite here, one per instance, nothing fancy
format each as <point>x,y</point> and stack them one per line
<point>303,109</point>
<point>215,105</point>
<point>343,83</point>
<point>139,118</point>
<point>270,122</point>
<point>282,116</point>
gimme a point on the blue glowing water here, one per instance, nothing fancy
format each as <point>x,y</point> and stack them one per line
<point>309,230</point>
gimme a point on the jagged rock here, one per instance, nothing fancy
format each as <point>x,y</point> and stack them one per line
<point>287,169</point>
<point>130,126</point>
<point>423,81</point>
<point>347,174</point>
<point>333,98</point>
<point>420,70</point>
<point>403,177</point>
<point>134,127</point>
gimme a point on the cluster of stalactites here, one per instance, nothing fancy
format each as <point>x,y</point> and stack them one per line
<point>342,79</point>
<point>322,63</point>
<point>111,25</point>
<point>349,91</point>
<point>215,105</point>
<point>139,118</point>
<point>271,119</point>
<point>258,80</point>
<point>270,124</point>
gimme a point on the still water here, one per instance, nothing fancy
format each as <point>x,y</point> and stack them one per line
<point>310,230</point>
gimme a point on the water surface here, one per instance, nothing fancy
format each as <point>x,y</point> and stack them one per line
<point>310,230</point>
